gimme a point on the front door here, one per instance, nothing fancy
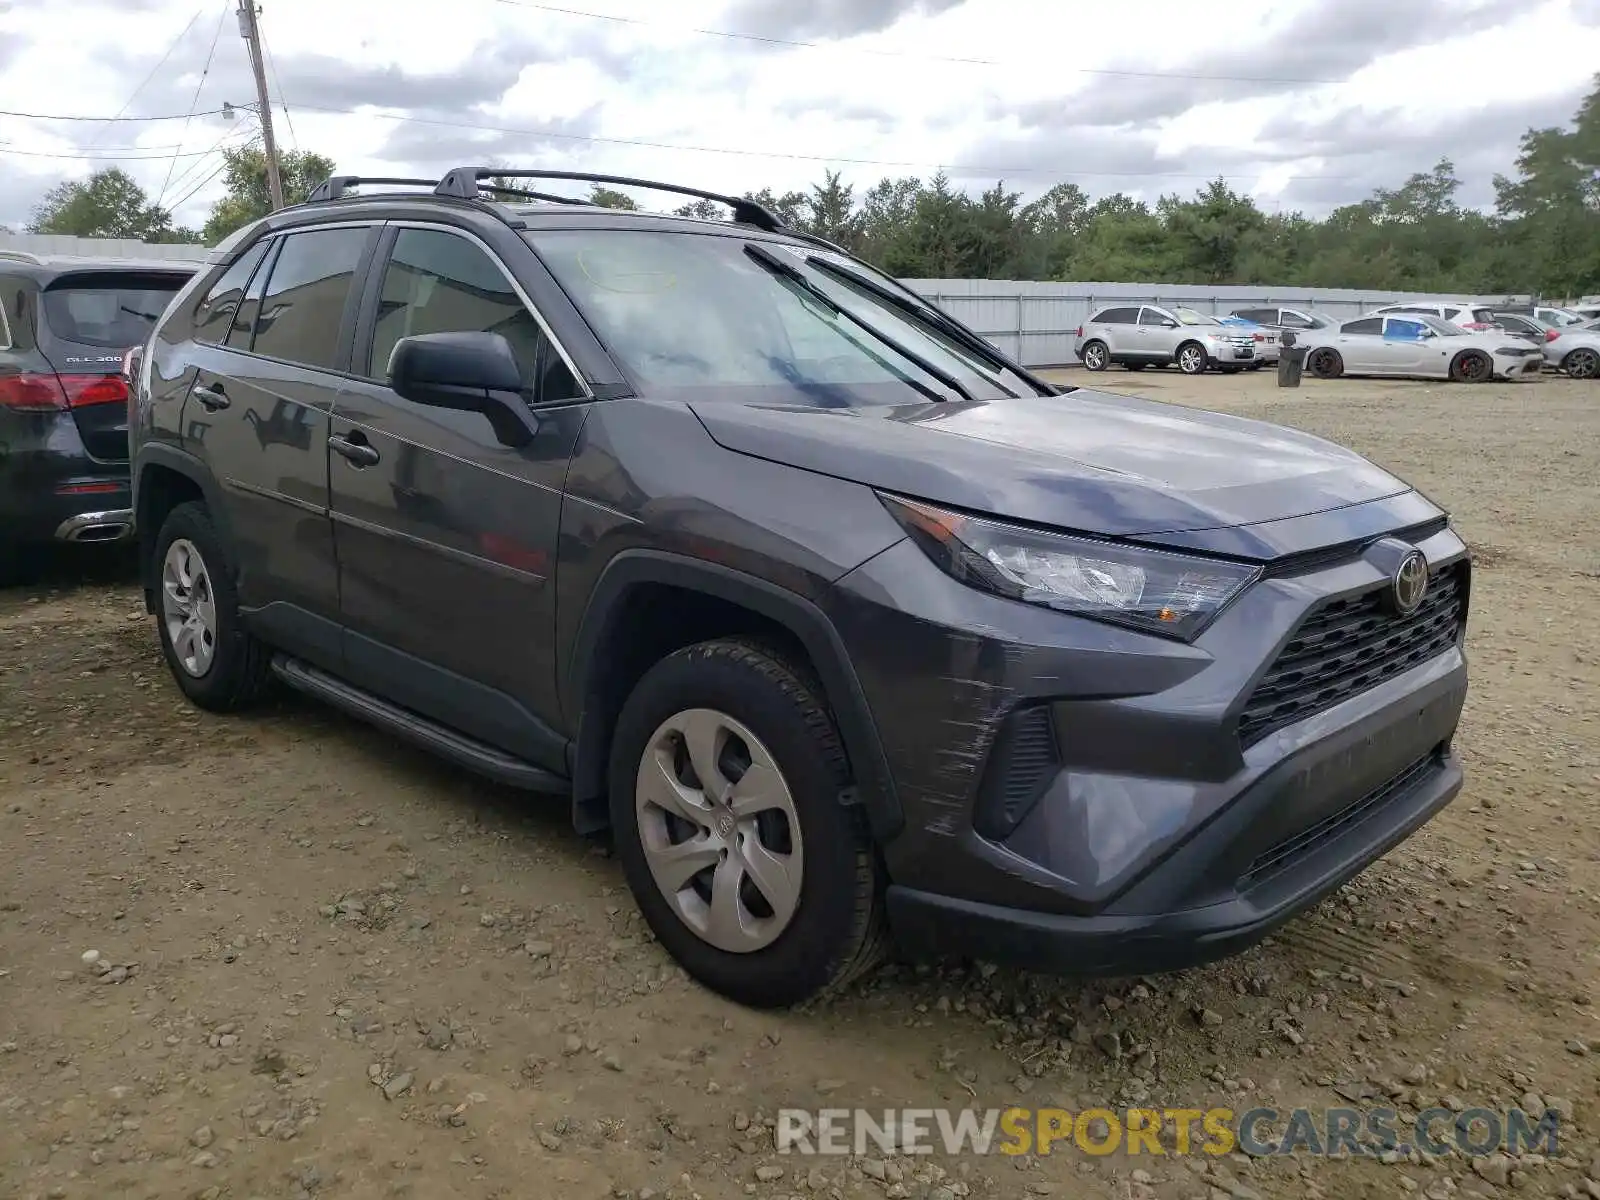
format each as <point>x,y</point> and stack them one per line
<point>446,536</point>
<point>1404,340</point>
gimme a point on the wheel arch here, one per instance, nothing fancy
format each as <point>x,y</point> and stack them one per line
<point>163,478</point>
<point>613,650</point>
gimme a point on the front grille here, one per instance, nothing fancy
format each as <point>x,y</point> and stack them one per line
<point>1291,850</point>
<point>1346,646</point>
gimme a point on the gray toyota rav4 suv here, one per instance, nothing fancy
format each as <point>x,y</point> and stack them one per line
<point>844,627</point>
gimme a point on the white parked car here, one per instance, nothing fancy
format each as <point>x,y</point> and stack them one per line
<point>1145,335</point>
<point>1458,312</point>
<point>1418,344</point>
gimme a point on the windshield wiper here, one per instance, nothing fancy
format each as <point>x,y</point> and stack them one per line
<point>797,277</point>
<point>927,314</point>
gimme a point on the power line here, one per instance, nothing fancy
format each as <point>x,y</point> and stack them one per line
<point>104,157</point>
<point>962,168</point>
<point>183,33</point>
<point>191,172</point>
<point>33,116</point>
<point>194,102</point>
<point>223,166</point>
<point>910,54</point>
<point>272,65</point>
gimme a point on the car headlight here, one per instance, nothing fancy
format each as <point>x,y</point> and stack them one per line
<point>1156,591</point>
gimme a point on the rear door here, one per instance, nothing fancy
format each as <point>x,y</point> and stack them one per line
<point>446,535</point>
<point>1360,344</point>
<point>269,360</point>
<point>87,321</point>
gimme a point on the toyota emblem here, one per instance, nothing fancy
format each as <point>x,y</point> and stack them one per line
<point>1410,582</point>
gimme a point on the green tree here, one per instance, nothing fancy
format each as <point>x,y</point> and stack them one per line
<point>248,198</point>
<point>109,204</point>
<point>611,198</point>
<point>790,207</point>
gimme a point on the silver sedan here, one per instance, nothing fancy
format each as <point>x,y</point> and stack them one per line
<point>1420,345</point>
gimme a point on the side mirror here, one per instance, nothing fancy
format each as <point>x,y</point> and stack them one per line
<point>1169,323</point>
<point>465,372</point>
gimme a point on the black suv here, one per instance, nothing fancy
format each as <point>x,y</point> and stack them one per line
<point>65,326</point>
<point>838,620</point>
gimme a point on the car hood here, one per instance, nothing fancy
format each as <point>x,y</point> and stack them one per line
<point>1085,460</point>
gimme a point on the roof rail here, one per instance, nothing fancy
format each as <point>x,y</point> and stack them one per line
<point>525,194</point>
<point>463,183</point>
<point>335,186</point>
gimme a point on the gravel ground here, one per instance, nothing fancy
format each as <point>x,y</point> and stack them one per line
<point>285,956</point>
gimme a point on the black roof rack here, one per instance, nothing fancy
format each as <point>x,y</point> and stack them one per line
<point>462,183</point>
<point>335,186</point>
<point>523,192</point>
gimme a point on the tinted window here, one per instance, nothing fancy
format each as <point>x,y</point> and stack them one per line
<point>112,311</point>
<point>214,317</point>
<point>9,293</point>
<point>1116,316</point>
<point>303,305</point>
<point>1365,325</point>
<point>1293,320</point>
<point>438,282</point>
<point>243,331</point>
<point>1261,316</point>
<point>1516,324</point>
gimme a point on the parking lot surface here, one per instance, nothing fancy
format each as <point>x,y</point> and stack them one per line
<point>283,955</point>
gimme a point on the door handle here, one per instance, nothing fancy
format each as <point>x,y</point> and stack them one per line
<point>211,397</point>
<point>360,454</point>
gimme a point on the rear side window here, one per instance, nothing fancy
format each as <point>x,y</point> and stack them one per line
<point>1294,320</point>
<point>1115,316</point>
<point>214,317</point>
<point>302,308</point>
<point>111,311</point>
<point>1365,325</point>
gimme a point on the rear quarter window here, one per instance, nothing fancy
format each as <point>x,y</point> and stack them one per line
<point>110,311</point>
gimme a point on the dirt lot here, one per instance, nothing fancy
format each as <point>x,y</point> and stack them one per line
<point>330,966</point>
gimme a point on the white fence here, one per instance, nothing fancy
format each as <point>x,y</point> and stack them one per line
<point>53,243</point>
<point>1035,323</point>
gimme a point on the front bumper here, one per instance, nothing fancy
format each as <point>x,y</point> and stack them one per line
<point>1525,368</point>
<point>1143,832</point>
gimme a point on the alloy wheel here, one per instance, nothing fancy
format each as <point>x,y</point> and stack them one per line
<point>189,608</point>
<point>719,830</point>
<point>1192,360</point>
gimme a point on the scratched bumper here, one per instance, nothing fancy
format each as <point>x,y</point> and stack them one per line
<point>1156,838</point>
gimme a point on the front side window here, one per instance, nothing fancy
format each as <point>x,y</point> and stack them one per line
<point>303,305</point>
<point>722,315</point>
<point>1401,330</point>
<point>438,282</point>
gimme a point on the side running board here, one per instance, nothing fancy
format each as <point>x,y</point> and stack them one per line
<point>420,731</point>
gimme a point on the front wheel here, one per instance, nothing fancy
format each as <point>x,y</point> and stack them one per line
<point>216,663</point>
<point>1582,364</point>
<point>1325,364</point>
<point>1472,366</point>
<point>1192,358</point>
<point>1096,357</point>
<point>726,779</point>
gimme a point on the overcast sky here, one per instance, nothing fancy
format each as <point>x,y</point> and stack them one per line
<point>1305,104</point>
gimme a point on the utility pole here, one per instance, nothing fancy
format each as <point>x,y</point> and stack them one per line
<point>251,32</point>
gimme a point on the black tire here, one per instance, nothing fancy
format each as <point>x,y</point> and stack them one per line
<point>837,931</point>
<point>1472,366</point>
<point>1582,363</point>
<point>1095,356</point>
<point>240,671</point>
<point>1192,363</point>
<point>1256,366</point>
<point>1325,363</point>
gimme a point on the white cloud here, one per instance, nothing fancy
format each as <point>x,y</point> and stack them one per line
<point>1456,78</point>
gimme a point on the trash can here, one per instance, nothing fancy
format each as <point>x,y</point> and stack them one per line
<point>1291,362</point>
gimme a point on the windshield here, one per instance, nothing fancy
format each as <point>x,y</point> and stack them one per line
<point>110,312</point>
<point>1189,317</point>
<point>1322,320</point>
<point>1438,324</point>
<point>723,316</point>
